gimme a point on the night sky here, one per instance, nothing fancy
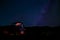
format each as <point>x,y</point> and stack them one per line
<point>30,12</point>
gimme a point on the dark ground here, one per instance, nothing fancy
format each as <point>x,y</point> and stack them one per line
<point>43,33</point>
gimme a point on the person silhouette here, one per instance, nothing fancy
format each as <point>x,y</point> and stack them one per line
<point>19,27</point>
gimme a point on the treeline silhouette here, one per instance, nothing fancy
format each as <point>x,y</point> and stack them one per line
<point>36,32</point>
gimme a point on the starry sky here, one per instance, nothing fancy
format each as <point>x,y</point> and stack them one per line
<point>30,12</point>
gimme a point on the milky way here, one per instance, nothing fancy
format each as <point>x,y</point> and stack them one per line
<point>32,12</point>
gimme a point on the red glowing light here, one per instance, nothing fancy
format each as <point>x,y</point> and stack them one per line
<point>22,32</point>
<point>18,24</point>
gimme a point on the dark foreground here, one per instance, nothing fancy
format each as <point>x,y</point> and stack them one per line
<point>31,33</point>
